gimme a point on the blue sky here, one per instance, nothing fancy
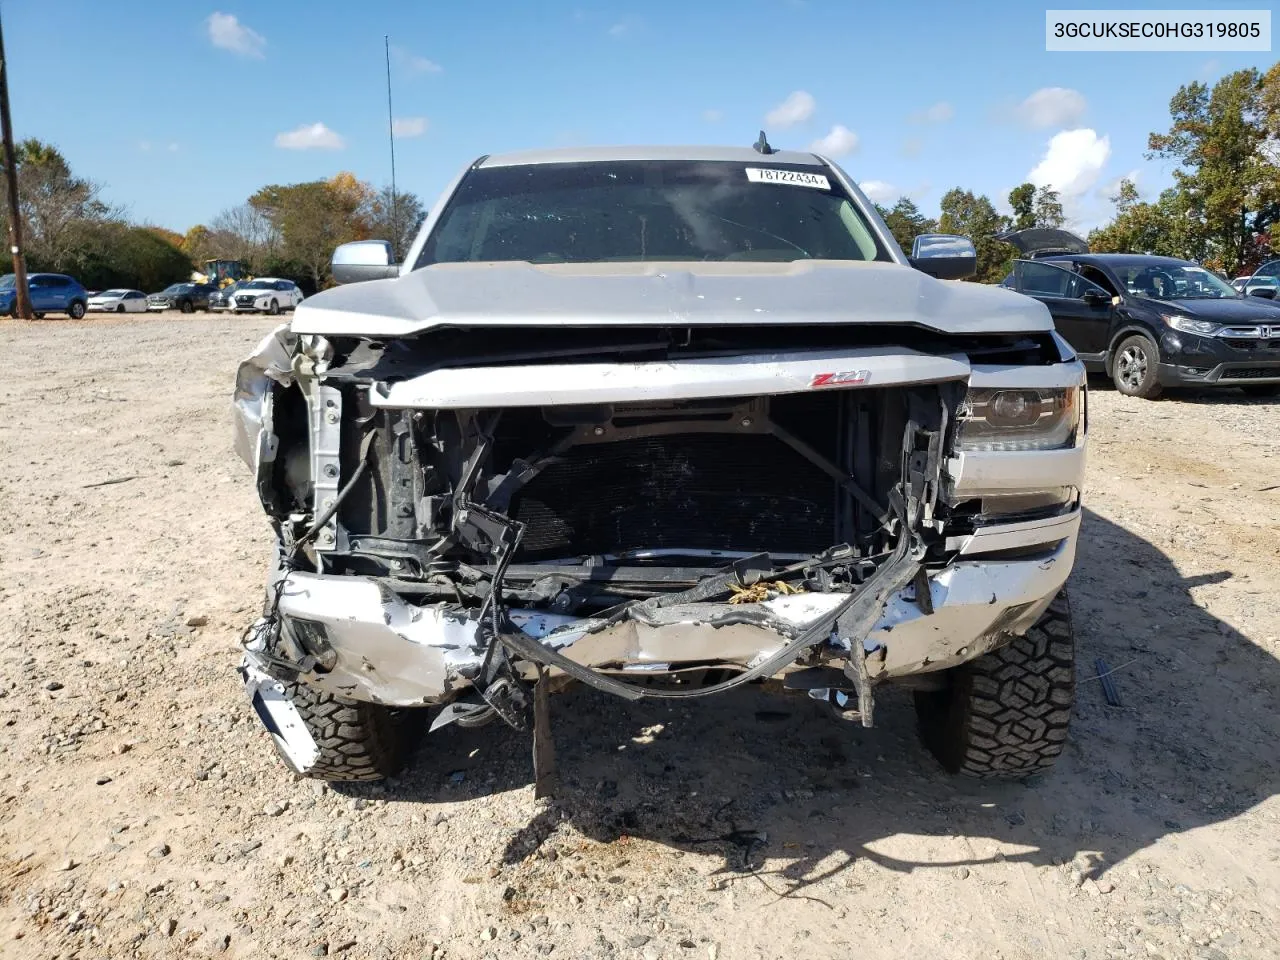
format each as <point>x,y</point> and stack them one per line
<point>182,109</point>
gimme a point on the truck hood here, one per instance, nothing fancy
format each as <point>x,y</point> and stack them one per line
<point>681,294</point>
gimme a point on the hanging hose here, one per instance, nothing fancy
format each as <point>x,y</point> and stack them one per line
<point>859,611</point>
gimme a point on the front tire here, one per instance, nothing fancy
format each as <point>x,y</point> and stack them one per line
<point>273,308</point>
<point>1005,715</point>
<point>357,741</point>
<point>1135,367</point>
<point>186,307</point>
<point>120,308</point>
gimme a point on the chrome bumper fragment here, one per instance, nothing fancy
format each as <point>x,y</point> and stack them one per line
<point>381,649</point>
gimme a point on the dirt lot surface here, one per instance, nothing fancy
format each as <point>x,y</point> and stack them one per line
<point>143,812</point>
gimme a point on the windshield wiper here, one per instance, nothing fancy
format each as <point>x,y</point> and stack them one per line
<point>773,236</point>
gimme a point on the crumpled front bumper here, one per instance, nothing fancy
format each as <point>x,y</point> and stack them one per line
<point>379,648</point>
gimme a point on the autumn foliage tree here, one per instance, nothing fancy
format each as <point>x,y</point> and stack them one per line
<point>906,222</point>
<point>55,205</point>
<point>974,216</point>
<point>312,218</point>
<point>1226,181</point>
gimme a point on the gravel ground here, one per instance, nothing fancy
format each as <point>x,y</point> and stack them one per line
<point>143,813</point>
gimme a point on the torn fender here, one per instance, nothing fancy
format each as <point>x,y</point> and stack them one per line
<point>269,365</point>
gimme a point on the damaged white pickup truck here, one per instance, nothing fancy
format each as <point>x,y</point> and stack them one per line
<point>662,421</point>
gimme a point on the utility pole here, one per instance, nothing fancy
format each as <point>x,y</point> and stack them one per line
<point>391,132</point>
<point>22,301</point>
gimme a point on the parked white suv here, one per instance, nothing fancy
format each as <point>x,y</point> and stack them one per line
<point>266,295</point>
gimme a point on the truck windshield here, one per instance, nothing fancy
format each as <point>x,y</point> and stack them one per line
<point>642,211</point>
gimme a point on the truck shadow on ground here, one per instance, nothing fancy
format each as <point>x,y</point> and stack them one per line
<point>773,778</point>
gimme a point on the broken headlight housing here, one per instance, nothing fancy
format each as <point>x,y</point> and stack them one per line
<point>1002,418</point>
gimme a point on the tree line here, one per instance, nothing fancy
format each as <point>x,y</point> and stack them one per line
<point>286,230</point>
<point>1223,209</point>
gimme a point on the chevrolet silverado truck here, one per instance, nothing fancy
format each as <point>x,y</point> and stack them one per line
<point>663,421</point>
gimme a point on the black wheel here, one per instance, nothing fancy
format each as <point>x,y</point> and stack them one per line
<point>186,307</point>
<point>40,316</point>
<point>1261,389</point>
<point>120,308</point>
<point>357,741</point>
<point>1005,715</point>
<point>76,310</point>
<point>273,308</point>
<point>1134,367</point>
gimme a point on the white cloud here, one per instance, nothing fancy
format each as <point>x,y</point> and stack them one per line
<point>622,28</point>
<point>1052,107</point>
<point>314,136</point>
<point>912,146</point>
<point>940,112</point>
<point>228,33</point>
<point>920,190</point>
<point>797,108</point>
<point>409,126</point>
<point>878,191</point>
<point>144,145</point>
<point>1072,162</point>
<point>412,63</point>
<point>1111,187</point>
<point>712,116</point>
<point>173,148</point>
<point>839,142</point>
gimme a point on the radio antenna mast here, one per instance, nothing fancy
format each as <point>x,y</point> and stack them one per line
<point>391,134</point>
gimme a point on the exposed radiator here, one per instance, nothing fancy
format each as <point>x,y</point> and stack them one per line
<point>709,491</point>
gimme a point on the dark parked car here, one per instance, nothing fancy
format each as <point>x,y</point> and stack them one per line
<point>50,293</point>
<point>187,297</point>
<point>224,298</point>
<point>1150,322</point>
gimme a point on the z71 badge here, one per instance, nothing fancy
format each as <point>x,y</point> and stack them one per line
<point>846,378</point>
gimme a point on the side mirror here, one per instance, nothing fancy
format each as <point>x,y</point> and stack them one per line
<point>364,260</point>
<point>1266,293</point>
<point>944,256</point>
<point>1095,298</point>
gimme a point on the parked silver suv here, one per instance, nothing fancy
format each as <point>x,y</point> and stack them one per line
<point>663,421</point>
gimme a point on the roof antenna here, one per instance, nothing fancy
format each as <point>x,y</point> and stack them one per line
<point>762,145</point>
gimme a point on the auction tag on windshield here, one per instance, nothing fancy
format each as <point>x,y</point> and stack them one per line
<point>795,178</point>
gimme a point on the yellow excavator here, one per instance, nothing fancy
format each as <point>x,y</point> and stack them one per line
<point>222,273</point>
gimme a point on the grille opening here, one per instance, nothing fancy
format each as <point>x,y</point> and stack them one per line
<point>714,478</point>
<point>690,491</point>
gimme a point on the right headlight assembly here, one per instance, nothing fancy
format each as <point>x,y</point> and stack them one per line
<point>1190,325</point>
<point>1009,419</point>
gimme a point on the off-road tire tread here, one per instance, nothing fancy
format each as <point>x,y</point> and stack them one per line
<point>1006,714</point>
<point>357,741</point>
